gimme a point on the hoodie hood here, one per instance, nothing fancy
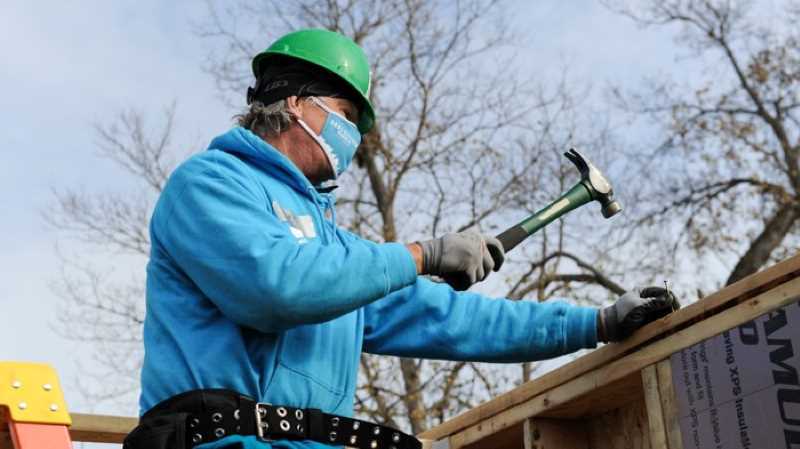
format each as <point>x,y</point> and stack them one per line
<point>243,143</point>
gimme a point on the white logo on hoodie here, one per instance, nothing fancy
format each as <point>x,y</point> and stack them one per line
<point>301,226</point>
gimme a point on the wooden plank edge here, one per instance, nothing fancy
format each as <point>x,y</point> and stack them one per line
<point>742,290</point>
<point>584,384</point>
<point>100,428</point>
<point>652,402</point>
<point>669,404</point>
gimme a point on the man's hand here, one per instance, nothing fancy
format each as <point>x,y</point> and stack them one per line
<point>633,310</point>
<point>461,259</point>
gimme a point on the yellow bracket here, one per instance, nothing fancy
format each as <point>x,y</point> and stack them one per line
<point>32,393</point>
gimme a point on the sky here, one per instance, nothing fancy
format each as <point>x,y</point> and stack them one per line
<point>71,64</point>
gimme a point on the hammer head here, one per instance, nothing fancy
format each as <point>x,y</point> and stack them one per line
<point>596,183</point>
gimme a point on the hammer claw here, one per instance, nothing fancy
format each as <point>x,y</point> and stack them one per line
<point>579,161</point>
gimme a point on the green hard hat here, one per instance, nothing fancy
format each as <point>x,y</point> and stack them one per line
<point>333,52</point>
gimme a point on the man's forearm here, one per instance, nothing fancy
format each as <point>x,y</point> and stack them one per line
<point>431,320</point>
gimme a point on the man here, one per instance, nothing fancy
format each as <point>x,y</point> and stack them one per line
<point>255,295</point>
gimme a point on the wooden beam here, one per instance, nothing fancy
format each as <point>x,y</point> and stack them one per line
<point>530,435</point>
<point>541,433</point>
<point>614,395</point>
<point>655,416</point>
<point>669,404</point>
<point>100,428</point>
<point>727,297</point>
<point>623,428</point>
<point>571,389</point>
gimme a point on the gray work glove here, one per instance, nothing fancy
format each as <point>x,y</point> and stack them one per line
<point>633,310</point>
<point>462,259</point>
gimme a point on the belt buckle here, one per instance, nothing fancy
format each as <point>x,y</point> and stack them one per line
<point>262,427</point>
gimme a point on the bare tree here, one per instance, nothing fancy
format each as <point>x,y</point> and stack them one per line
<point>101,306</point>
<point>730,137</point>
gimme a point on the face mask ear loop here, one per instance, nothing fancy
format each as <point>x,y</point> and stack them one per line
<point>327,109</point>
<point>322,144</point>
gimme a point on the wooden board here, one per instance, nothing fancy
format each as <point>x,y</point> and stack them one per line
<point>100,428</point>
<point>623,428</point>
<point>616,394</point>
<point>595,380</point>
<point>669,405</point>
<point>509,438</point>
<point>554,434</point>
<point>655,414</point>
<point>535,433</point>
<point>725,298</point>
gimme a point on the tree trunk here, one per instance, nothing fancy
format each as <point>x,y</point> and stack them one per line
<point>413,398</point>
<point>385,200</point>
<point>769,239</point>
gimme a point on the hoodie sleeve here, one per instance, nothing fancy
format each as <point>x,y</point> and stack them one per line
<point>431,320</point>
<point>215,222</point>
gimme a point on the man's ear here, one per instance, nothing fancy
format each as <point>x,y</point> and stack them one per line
<point>293,105</point>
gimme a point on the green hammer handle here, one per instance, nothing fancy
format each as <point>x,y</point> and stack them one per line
<point>576,197</point>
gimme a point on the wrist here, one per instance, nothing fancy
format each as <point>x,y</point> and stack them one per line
<point>609,324</point>
<point>601,328</point>
<point>416,253</point>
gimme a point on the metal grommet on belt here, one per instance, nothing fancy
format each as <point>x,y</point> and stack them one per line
<point>285,426</point>
<point>196,438</point>
<point>298,414</point>
<point>281,412</point>
<point>216,417</point>
<point>332,436</point>
<point>219,432</point>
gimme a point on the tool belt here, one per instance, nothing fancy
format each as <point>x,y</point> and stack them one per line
<point>202,416</point>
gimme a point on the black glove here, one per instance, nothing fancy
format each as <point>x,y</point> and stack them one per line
<point>633,310</point>
<point>462,259</point>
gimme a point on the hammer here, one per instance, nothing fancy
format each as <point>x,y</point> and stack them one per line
<point>592,186</point>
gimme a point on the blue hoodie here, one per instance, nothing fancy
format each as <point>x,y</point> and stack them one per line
<point>251,287</point>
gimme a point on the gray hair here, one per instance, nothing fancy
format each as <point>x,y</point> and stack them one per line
<point>266,121</point>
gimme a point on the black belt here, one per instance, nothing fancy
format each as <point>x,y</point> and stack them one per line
<point>212,414</point>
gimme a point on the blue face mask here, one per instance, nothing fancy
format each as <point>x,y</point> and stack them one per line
<point>339,138</point>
